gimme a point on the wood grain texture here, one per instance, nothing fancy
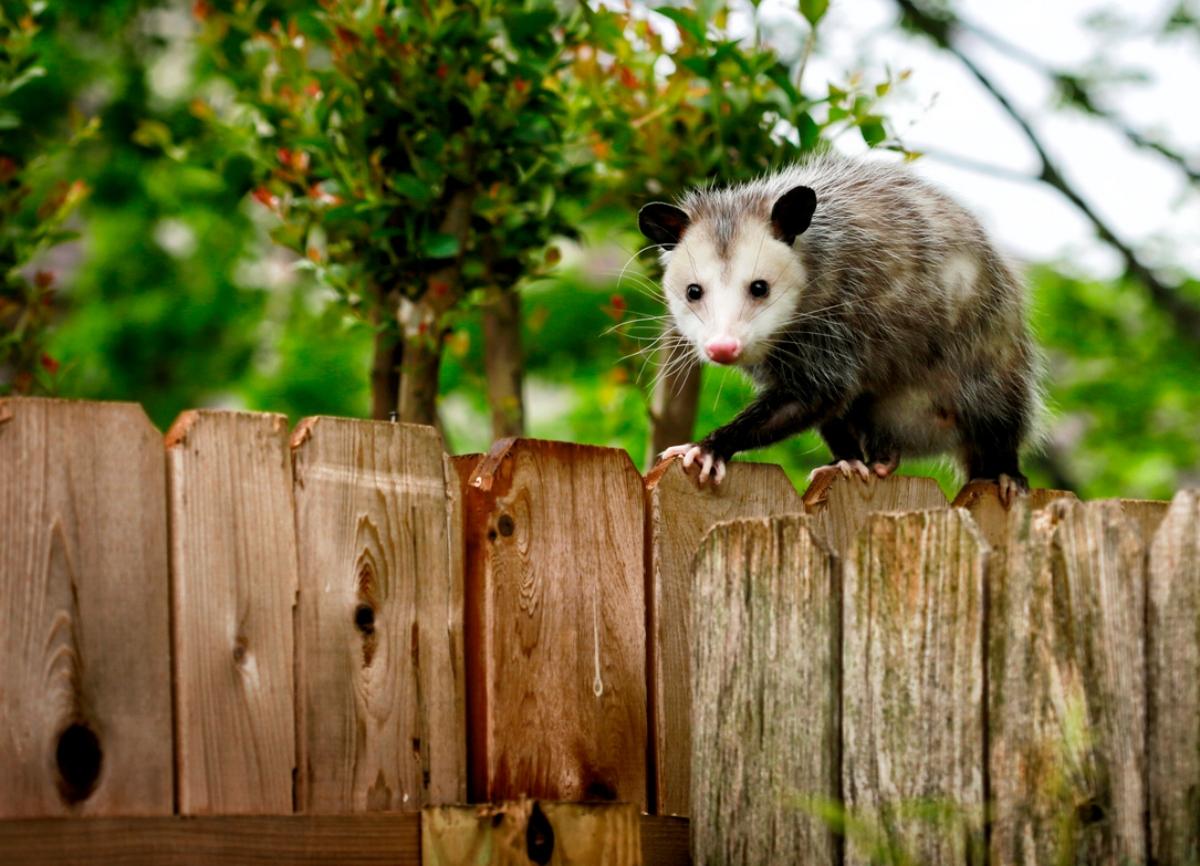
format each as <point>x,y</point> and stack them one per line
<point>765,694</point>
<point>380,690</point>
<point>531,832</point>
<point>1066,700</point>
<point>233,590</point>
<point>982,500</point>
<point>286,840</point>
<point>1146,515</point>
<point>85,692</point>
<point>912,688</point>
<point>841,506</point>
<point>678,514</point>
<point>1173,671</point>
<point>555,624</point>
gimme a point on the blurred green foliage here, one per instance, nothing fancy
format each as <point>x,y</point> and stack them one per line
<point>151,276</point>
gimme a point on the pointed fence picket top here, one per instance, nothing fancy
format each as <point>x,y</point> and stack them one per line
<point>233,592</point>
<point>982,500</point>
<point>765,645</point>
<point>380,691</point>
<point>85,689</point>
<point>841,506</point>
<point>678,514</point>
<point>555,624</point>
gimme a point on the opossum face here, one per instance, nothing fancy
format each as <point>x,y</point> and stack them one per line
<point>732,285</point>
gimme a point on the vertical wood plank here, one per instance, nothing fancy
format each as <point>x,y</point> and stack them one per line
<point>841,506</point>
<point>765,644</point>
<point>555,624</point>
<point>531,832</point>
<point>982,500</point>
<point>379,644</point>
<point>85,692</point>
<point>678,514</point>
<point>233,590</point>
<point>1173,654</point>
<point>1146,515</point>
<point>912,692</point>
<point>1066,700</point>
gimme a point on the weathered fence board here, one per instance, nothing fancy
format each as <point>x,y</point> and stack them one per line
<point>912,688</point>
<point>982,500</point>
<point>1173,656</point>
<point>766,626</point>
<point>678,514</point>
<point>1066,688</point>
<point>1146,515</point>
<point>380,693</point>
<point>841,506</point>
<point>530,832</point>
<point>85,691</point>
<point>555,624</point>
<point>233,590</point>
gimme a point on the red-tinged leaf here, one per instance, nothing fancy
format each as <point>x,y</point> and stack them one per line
<point>628,79</point>
<point>201,10</point>
<point>43,279</point>
<point>49,364</point>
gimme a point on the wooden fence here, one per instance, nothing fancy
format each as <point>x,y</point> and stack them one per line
<point>339,621</point>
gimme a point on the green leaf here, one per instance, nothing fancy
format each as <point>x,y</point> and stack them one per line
<point>439,246</point>
<point>526,26</point>
<point>688,22</point>
<point>813,10</point>
<point>810,132</point>
<point>410,187</point>
<point>873,132</point>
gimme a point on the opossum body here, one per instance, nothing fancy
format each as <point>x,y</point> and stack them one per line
<point>862,301</point>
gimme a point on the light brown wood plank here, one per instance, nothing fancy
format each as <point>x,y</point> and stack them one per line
<point>1173,654</point>
<point>379,643</point>
<point>233,590</point>
<point>841,506</point>
<point>291,840</point>
<point>1146,515</point>
<point>912,688</point>
<point>982,500</point>
<point>85,692</point>
<point>766,637</point>
<point>555,624</point>
<point>678,514</point>
<point>1066,687</point>
<point>531,832</point>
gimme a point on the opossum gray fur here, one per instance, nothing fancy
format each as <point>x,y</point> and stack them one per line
<point>861,300</point>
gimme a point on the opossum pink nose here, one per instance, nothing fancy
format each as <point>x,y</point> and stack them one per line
<point>724,350</point>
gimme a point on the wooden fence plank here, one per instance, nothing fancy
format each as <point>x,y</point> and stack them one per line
<point>912,688</point>
<point>85,692</point>
<point>678,514</point>
<point>1146,514</point>
<point>841,506</point>
<point>233,590</point>
<point>1066,732</point>
<point>982,500</point>
<point>766,636</point>
<point>555,624</point>
<point>1173,654</point>
<point>379,687</point>
<point>531,832</point>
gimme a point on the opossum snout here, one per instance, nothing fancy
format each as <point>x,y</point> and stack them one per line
<point>723,350</point>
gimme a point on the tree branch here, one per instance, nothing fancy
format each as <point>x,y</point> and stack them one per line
<point>942,27</point>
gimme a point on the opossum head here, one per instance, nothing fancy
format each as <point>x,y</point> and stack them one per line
<point>733,280</point>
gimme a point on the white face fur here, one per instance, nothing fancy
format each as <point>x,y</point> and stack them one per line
<point>727,308</point>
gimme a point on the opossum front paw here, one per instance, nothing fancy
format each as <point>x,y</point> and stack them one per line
<point>843,467</point>
<point>711,466</point>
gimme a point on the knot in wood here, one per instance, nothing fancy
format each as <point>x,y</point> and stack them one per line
<point>506,525</point>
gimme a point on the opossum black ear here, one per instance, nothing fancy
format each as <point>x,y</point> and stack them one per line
<point>662,223</point>
<point>792,213</point>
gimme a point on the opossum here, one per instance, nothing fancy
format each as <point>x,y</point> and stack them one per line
<point>860,300</point>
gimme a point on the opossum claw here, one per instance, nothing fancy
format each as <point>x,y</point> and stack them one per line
<point>1011,488</point>
<point>678,451</point>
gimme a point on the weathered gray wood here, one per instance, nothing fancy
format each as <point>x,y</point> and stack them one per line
<point>1173,654</point>
<point>765,641</point>
<point>379,636</point>
<point>912,688</point>
<point>841,506</point>
<point>1146,514</point>
<point>1066,687</point>
<point>233,592</point>
<point>85,691</point>
<point>678,514</point>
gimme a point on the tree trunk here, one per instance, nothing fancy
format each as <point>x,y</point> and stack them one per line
<point>504,363</point>
<point>673,407</point>
<point>422,356</point>
<point>385,372</point>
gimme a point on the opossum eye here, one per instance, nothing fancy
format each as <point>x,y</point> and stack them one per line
<point>695,292</point>
<point>759,288</point>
